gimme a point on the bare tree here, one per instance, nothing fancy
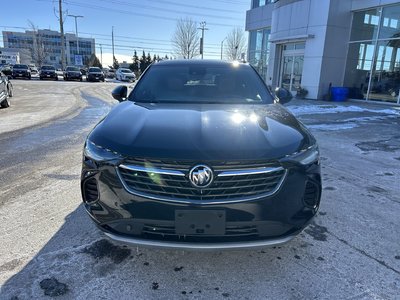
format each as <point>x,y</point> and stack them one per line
<point>235,44</point>
<point>186,40</point>
<point>39,49</point>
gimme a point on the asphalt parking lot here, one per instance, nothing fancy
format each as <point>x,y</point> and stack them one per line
<point>50,248</point>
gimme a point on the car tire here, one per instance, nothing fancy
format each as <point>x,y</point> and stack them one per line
<point>80,79</point>
<point>56,78</point>
<point>10,91</point>
<point>6,102</point>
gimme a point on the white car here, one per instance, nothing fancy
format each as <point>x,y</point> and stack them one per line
<point>124,74</point>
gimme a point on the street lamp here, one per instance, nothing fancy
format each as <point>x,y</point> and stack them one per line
<point>76,31</point>
<point>222,46</point>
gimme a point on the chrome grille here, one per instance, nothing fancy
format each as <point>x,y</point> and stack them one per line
<point>232,182</point>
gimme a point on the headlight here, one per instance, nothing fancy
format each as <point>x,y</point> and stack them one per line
<point>304,157</point>
<point>98,153</point>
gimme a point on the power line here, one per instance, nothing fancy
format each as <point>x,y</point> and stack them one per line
<point>130,13</point>
<point>169,10</point>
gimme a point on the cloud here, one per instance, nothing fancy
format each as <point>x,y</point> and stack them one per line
<point>108,60</point>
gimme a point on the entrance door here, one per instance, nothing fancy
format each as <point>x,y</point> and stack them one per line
<point>292,66</point>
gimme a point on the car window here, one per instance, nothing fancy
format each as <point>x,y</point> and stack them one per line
<point>48,68</point>
<point>126,71</point>
<point>201,84</point>
<point>94,70</point>
<point>72,69</point>
<point>21,67</point>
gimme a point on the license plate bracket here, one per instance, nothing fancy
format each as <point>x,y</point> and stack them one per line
<point>200,222</point>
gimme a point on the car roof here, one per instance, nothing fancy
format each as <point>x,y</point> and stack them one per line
<point>196,62</point>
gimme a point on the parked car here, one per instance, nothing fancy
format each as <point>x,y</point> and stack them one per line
<point>48,72</point>
<point>21,71</point>
<point>95,74</point>
<point>6,90</point>
<point>109,73</point>
<point>201,155</point>
<point>72,73</point>
<point>7,70</point>
<point>34,69</point>
<point>125,75</point>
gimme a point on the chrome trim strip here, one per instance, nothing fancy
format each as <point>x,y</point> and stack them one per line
<point>151,170</point>
<point>200,202</point>
<point>249,171</point>
<point>199,246</point>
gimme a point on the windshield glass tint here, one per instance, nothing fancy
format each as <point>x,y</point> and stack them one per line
<point>21,67</point>
<point>50,68</point>
<point>94,70</point>
<point>201,84</point>
<point>72,69</point>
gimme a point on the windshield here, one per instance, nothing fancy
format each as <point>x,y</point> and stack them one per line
<point>126,71</point>
<point>25,67</point>
<point>73,69</point>
<point>201,83</point>
<point>94,70</point>
<point>51,68</point>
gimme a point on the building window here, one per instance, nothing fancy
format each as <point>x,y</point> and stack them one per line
<point>373,60</point>
<point>259,50</point>
<point>258,3</point>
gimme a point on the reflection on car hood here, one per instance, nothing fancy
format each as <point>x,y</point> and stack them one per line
<point>201,131</point>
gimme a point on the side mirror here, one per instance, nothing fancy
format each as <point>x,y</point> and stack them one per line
<point>120,93</point>
<point>283,95</point>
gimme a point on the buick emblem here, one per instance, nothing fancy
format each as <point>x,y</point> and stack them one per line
<point>201,176</point>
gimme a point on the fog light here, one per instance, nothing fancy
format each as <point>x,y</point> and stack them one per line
<point>90,191</point>
<point>311,195</point>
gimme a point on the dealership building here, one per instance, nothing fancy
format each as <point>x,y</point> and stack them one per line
<point>315,44</point>
<point>50,43</point>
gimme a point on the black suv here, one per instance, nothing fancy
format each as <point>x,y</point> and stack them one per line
<point>21,71</point>
<point>72,73</point>
<point>201,155</point>
<point>48,72</point>
<point>95,74</point>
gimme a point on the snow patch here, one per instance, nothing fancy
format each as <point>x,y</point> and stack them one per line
<point>332,127</point>
<point>332,109</point>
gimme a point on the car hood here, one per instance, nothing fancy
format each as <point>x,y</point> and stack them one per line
<point>201,132</point>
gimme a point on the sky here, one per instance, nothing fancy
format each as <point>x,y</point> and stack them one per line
<point>138,24</point>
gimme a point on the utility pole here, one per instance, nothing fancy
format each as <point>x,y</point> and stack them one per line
<point>62,34</point>
<point>222,46</point>
<point>112,37</point>
<point>76,31</point>
<point>101,55</point>
<point>202,28</point>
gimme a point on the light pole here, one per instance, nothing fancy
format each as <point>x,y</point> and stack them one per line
<point>76,31</point>
<point>222,46</point>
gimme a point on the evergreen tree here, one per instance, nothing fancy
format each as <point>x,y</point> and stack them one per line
<point>115,63</point>
<point>143,62</point>
<point>148,60</point>
<point>93,62</point>
<point>135,64</point>
<point>154,58</point>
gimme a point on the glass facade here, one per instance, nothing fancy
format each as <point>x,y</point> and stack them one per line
<point>258,3</point>
<point>259,50</point>
<point>373,61</point>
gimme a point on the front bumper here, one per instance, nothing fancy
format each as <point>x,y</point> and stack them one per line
<point>73,76</point>
<point>138,220</point>
<point>199,246</point>
<point>95,77</point>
